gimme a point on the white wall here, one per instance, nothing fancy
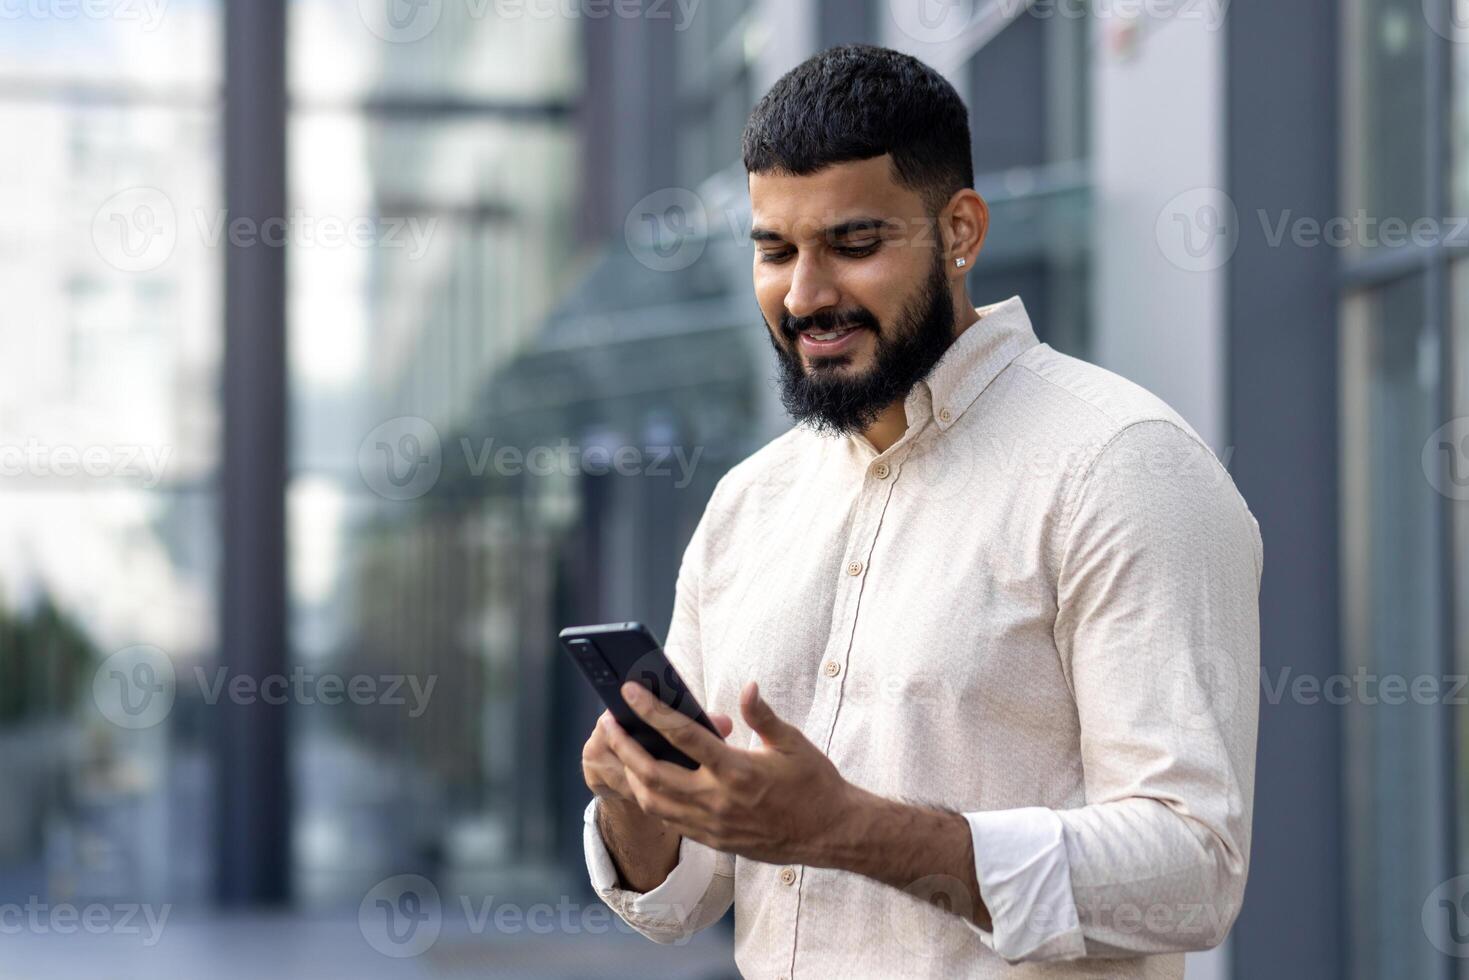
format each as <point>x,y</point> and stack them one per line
<point>788,37</point>
<point>1157,132</point>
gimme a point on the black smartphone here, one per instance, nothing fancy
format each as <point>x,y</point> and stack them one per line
<point>611,654</point>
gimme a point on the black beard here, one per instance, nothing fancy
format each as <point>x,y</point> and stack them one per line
<point>905,354</point>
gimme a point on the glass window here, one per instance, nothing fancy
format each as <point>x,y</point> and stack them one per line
<point>432,238</point>
<point>1450,444</point>
<point>108,449</point>
<point>356,50</point>
<point>1385,112</point>
<point>1392,632</point>
<point>1034,177</point>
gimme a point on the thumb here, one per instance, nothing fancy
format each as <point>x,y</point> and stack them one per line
<point>760,716</point>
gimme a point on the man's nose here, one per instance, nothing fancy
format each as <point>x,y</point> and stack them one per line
<point>811,289</point>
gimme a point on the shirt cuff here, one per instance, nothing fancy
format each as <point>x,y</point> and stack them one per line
<point>1025,882</point>
<point>673,901</point>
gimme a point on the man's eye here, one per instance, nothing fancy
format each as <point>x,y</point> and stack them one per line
<point>770,256</point>
<point>858,250</point>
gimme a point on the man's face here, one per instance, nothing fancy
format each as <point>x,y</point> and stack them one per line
<point>850,278</point>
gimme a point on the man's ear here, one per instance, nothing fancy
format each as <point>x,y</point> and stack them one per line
<point>963,225</point>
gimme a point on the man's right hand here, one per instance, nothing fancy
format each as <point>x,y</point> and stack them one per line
<point>605,774</point>
<point>642,847</point>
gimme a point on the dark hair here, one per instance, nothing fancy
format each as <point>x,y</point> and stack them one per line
<point>856,102</point>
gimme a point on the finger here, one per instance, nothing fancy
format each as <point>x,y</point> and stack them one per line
<point>723,722</point>
<point>657,802</point>
<point>760,716</point>
<point>685,734</point>
<point>665,777</point>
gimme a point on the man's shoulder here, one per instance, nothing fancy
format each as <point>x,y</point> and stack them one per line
<point>1137,446</point>
<point>1086,399</point>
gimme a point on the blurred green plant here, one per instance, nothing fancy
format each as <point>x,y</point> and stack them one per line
<point>45,658</point>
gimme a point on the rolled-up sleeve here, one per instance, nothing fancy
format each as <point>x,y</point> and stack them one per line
<point>1158,631</point>
<point>696,893</point>
<point>1020,863</point>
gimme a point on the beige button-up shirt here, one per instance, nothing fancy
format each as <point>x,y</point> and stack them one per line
<point>1038,608</point>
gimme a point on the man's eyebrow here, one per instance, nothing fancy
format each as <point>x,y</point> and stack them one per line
<point>842,229</point>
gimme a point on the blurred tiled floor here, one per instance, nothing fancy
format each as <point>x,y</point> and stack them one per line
<point>293,948</point>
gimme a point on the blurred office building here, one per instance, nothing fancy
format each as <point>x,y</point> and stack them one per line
<point>521,347</point>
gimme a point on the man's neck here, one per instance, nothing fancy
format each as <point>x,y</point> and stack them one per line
<point>893,421</point>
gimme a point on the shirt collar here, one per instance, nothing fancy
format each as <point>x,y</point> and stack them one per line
<point>975,358</point>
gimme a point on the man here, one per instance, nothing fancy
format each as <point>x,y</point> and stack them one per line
<point>980,632</point>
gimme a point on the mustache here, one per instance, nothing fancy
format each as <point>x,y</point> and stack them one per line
<point>792,326</point>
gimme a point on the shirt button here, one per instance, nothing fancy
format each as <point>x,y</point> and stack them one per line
<point>880,471</point>
<point>946,415</point>
<point>787,875</point>
<point>832,668</point>
<point>854,568</point>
